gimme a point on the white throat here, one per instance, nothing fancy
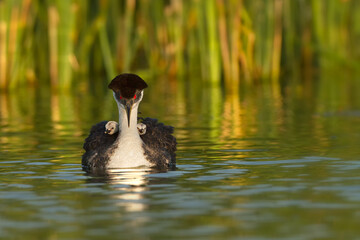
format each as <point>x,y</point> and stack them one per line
<point>129,151</point>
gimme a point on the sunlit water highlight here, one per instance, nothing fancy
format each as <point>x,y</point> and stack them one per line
<point>247,169</point>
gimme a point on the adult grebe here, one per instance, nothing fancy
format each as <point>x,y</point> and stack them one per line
<point>129,144</point>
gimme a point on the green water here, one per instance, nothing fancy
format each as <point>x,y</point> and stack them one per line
<point>261,165</point>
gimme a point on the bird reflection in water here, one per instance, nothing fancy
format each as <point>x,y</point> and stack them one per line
<point>132,198</point>
<point>129,183</point>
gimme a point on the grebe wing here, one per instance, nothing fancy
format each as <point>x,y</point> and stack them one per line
<point>96,145</point>
<point>160,144</point>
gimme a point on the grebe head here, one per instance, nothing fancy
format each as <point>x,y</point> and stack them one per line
<point>128,91</point>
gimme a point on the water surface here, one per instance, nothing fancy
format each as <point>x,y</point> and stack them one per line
<point>256,166</point>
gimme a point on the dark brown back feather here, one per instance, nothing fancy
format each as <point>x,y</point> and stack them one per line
<point>160,143</point>
<point>97,146</point>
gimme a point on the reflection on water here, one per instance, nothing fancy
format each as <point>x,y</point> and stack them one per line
<point>130,183</point>
<point>256,166</point>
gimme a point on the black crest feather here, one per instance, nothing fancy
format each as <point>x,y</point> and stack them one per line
<point>127,84</point>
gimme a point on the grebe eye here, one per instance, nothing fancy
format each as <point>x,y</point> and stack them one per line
<point>120,97</point>
<point>135,96</point>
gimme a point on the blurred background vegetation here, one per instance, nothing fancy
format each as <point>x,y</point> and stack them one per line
<point>78,44</point>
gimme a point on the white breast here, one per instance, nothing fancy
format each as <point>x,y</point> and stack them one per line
<point>129,153</point>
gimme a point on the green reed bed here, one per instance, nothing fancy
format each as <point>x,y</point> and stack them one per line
<point>67,43</point>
